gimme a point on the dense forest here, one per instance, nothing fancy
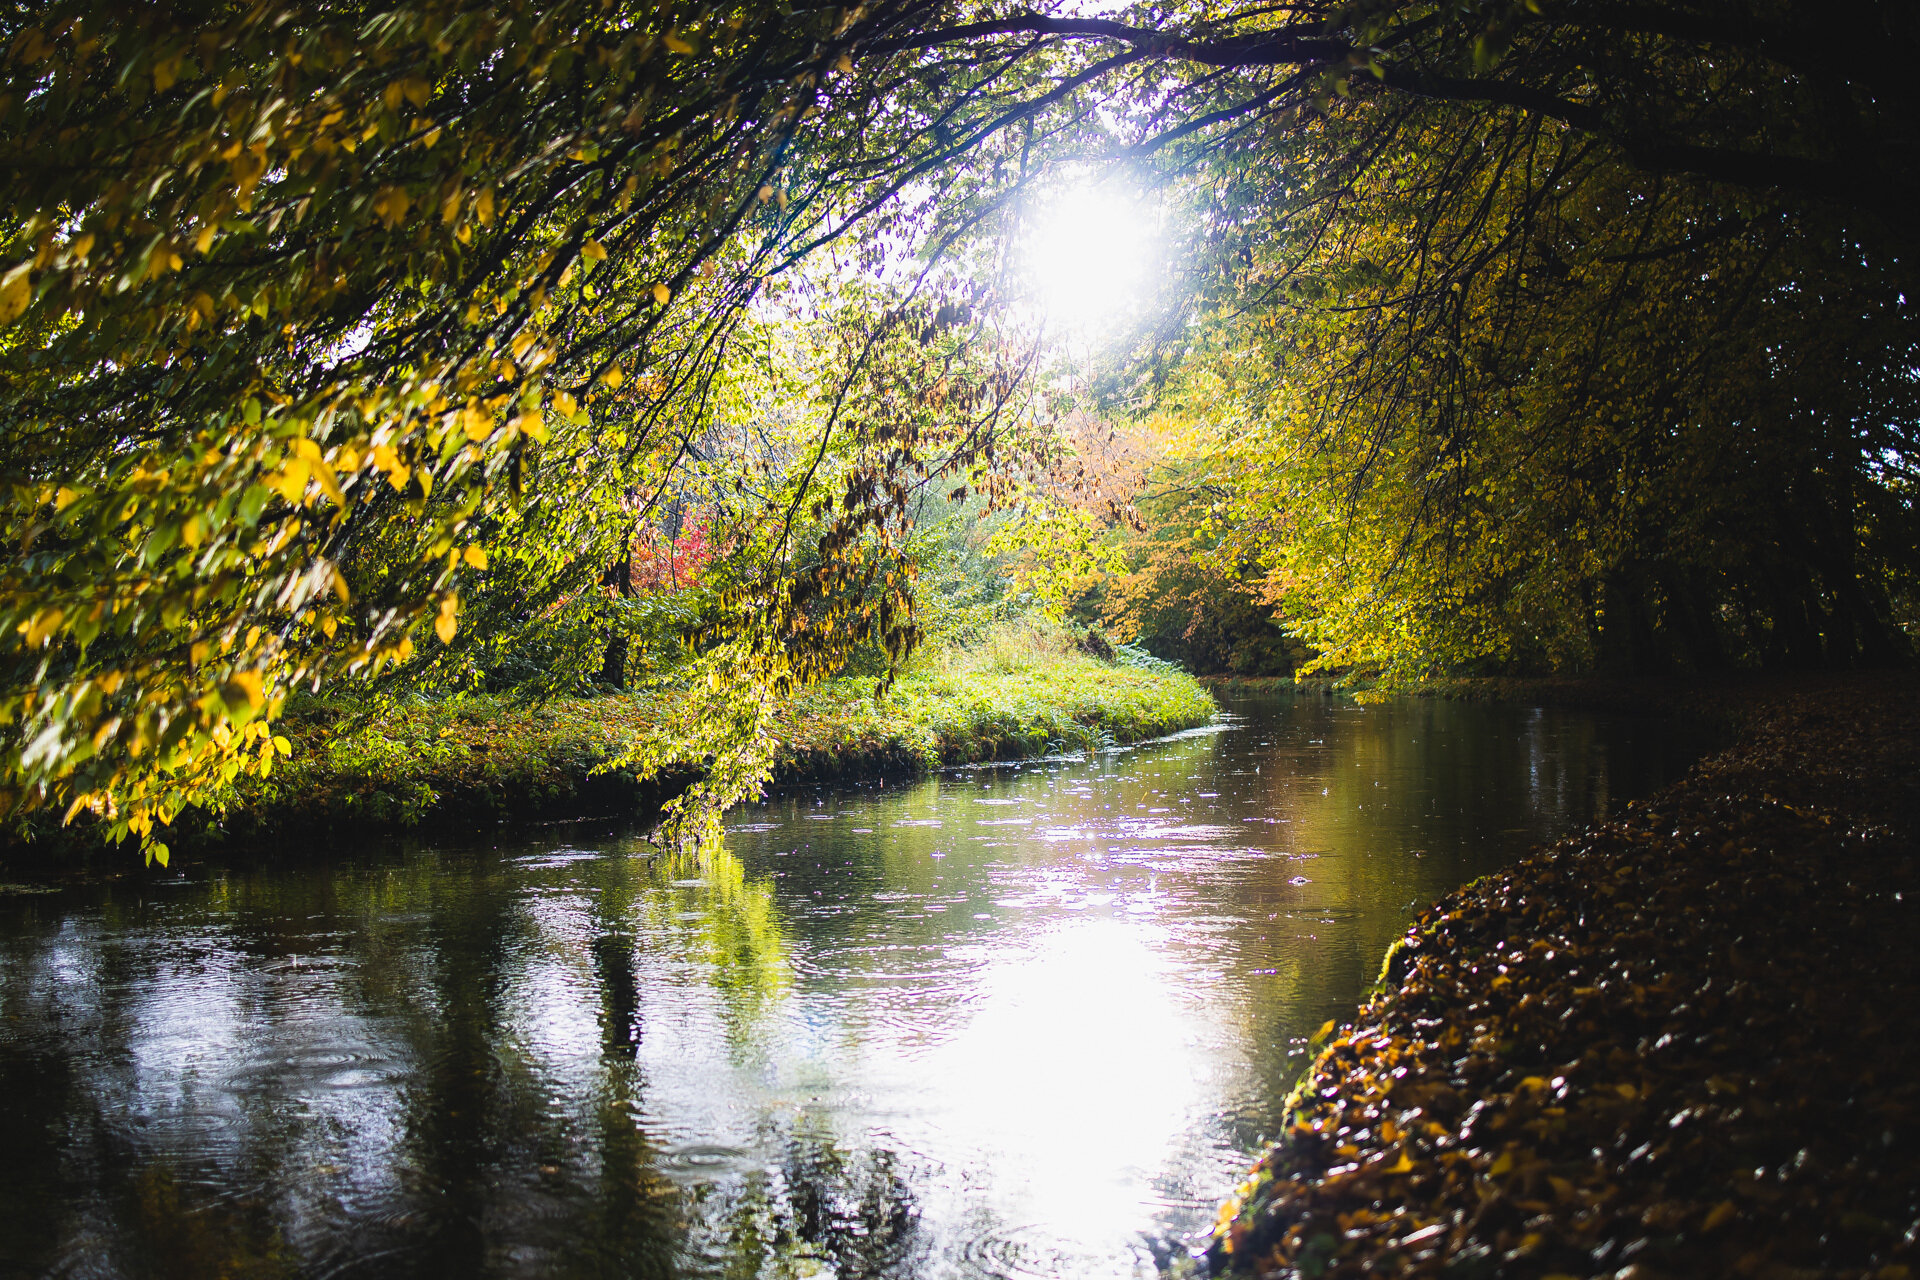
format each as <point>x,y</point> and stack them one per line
<point>403,351</point>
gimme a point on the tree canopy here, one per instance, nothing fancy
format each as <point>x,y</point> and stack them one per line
<point>1541,337</point>
<point>382,342</point>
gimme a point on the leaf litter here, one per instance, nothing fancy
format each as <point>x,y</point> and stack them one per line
<point>1678,1044</point>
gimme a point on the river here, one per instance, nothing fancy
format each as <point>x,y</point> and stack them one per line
<point>1027,1020</point>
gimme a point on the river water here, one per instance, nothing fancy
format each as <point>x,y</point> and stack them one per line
<point>1019,1021</point>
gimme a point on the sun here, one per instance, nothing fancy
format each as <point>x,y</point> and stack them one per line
<point>1090,257</point>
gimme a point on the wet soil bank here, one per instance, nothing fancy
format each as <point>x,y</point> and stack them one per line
<point>1683,1043</point>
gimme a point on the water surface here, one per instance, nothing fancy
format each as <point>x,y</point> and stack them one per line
<point>1017,1021</point>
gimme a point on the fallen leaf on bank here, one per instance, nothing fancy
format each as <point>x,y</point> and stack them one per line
<point>1697,1062</point>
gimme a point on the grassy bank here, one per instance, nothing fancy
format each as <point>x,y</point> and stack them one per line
<point>1677,1044</point>
<point>1024,690</point>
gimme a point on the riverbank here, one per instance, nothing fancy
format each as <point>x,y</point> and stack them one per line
<point>1676,1044</point>
<point>476,762</point>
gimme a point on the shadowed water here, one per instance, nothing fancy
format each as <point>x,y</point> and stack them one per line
<point>1025,1021</point>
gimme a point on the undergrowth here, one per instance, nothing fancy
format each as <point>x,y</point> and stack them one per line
<point>1021,689</point>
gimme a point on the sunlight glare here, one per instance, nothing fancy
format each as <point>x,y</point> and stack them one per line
<point>1089,256</point>
<point>1078,1072</point>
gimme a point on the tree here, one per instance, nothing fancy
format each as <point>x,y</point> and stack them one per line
<point>1578,339</point>
<point>316,314</point>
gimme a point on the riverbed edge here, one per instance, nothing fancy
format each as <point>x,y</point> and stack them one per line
<point>1395,1144</point>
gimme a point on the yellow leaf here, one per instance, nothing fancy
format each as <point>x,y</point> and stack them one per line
<point>1502,1166</point>
<point>593,251</point>
<point>613,377</point>
<point>247,684</point>
<point>676,43</point>
<point>661,293</point>
<point>475,556</point>
<point>291,483</point>
<point>392,203</point>
<point>329,483</point>
<point>16,292</point>
<point>483,207</point>
<point>445,625</point>
<point>42,625</point>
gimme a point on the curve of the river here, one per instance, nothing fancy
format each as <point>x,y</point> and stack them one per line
<point>1018,1021</point>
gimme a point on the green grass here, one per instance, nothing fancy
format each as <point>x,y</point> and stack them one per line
<point>1024,690</point>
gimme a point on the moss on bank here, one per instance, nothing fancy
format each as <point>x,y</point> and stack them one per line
<point>1677,1044</point>
<point>1023,691</point>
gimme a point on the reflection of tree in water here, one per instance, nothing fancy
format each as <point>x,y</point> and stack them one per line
<point>737,942</point>
<point>818,1209</point>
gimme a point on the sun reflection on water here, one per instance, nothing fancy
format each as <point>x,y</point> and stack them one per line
<point>1074,1077</point>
